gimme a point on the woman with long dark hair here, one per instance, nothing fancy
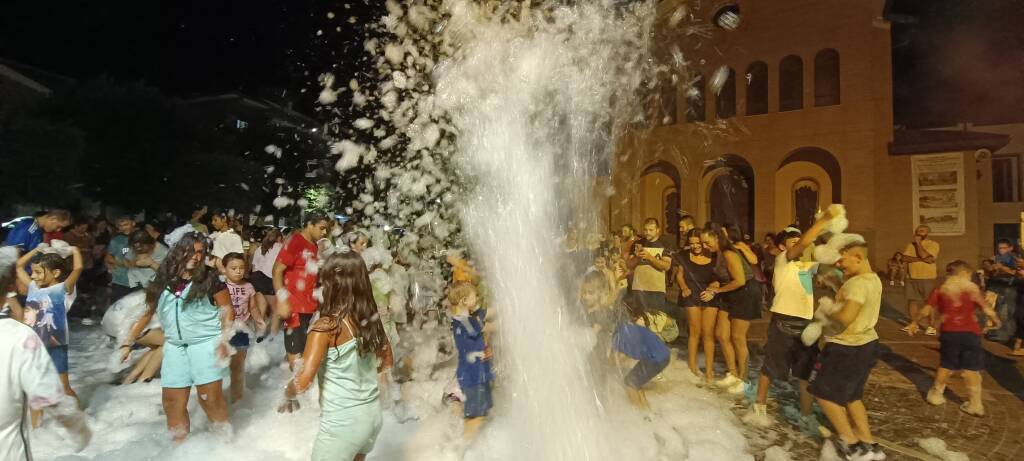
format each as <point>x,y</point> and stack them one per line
<point>196,314</point>
<point>345,350</point>
<point>694,274</point>
<point>739,300</point>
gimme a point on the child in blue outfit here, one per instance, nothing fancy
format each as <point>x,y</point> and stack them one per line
<point>50,291</point>
<point>469,327</point>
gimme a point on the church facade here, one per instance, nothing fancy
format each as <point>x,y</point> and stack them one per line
<point>792,111</point>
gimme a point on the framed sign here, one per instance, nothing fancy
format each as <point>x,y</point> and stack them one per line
<point>938,192</point>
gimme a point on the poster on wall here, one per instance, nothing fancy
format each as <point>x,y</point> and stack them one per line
<point>939,192</point>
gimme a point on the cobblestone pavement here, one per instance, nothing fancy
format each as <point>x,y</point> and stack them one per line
<point>894,397</point>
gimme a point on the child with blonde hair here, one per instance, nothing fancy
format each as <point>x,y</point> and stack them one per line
<point>469,324</point>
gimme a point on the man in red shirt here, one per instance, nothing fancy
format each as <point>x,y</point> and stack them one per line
<point>960,341</point>
<point>295,278</point>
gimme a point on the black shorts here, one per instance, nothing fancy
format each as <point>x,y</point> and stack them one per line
<point>119,291</point>
<point>842,371</point>
<point>694,301</point>
<point>744,303</point>
<point>785,353</point>
<point>263,284</point>
<point>961,350</point>
<point>295,338</point>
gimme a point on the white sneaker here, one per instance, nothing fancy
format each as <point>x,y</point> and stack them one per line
<point>760,410</point>
<point>88,322</point>
<point>935,397</point>
<point>728,381</point>
<point>930,331</point>
<point>737,388</point>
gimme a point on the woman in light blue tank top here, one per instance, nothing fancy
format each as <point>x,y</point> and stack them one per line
<point>346,349</point>
<point>196,314</point>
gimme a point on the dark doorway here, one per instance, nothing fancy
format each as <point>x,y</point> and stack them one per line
<point>805,198</point>
<point>731,200</point>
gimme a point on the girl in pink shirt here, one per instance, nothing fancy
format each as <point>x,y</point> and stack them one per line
<point>250,312</point>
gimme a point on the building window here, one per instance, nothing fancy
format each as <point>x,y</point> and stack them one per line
<point>311,168</point>
<point>757,88</point>
<point>695,97</point>
<point>805,203</point>
<point>728,17</point>
<point>671,218</point>
<point>1006,178</point>
<point>668,103</point>
<point>725,101</point>
<point>826,78</point>
<point>791,83</point>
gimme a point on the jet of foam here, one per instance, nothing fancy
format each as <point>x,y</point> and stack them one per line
<point>529,96</point>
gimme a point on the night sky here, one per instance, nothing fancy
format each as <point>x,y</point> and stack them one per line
<point>954,60</point>
<point>189,47</point>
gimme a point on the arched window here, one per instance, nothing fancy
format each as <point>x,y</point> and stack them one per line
<point>791,83</point>
<point>757,88</point>
<point>826,78</point>
<point>671,207</point>
<point>725,100</point>
<point>805,203</point>
<point>695,98</point>
<point>668,102</point>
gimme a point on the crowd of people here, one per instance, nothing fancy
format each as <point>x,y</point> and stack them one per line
<point>184,304</point>
<point>821,331</point>
<point>1000,278</point>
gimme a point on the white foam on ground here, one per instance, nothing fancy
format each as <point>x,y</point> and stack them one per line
<point>937,447</point>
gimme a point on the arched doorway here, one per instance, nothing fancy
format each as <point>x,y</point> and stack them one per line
<point>729,192</point>
<point>660,195</point>
<point>807,180</point>
<point>806,202</point>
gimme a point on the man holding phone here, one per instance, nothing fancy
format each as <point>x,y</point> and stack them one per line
<point>650,260</point>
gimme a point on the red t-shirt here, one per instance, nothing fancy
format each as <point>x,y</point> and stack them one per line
<point>956,302</point>
<point>300,276</point>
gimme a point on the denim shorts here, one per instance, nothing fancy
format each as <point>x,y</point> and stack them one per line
<point>240,341</point>
<point>59,356</point>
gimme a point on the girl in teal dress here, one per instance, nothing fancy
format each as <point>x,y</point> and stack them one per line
<point>196,313</point>
<point>345,350</point>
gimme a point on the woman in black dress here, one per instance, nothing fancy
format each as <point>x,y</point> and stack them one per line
<point>739,299</point>
<point>694,273</point>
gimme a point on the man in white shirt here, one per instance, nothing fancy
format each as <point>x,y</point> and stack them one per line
<point>792,310</point>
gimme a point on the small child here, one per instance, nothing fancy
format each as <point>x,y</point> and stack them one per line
<point>633,341</point>
<point>474,370</point>
<point>960,342</point>
<point>50,292</point>
<point>897,270</point>
<point>250,307</point>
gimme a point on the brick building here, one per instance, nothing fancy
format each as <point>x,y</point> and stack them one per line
<point>805,119</point>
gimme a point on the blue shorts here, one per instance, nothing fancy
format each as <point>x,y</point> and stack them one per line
<point>59,355</point>
<point>961,350</point>
<point>190,365</point>
<point>240,341</point>
<point>478,400</point>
